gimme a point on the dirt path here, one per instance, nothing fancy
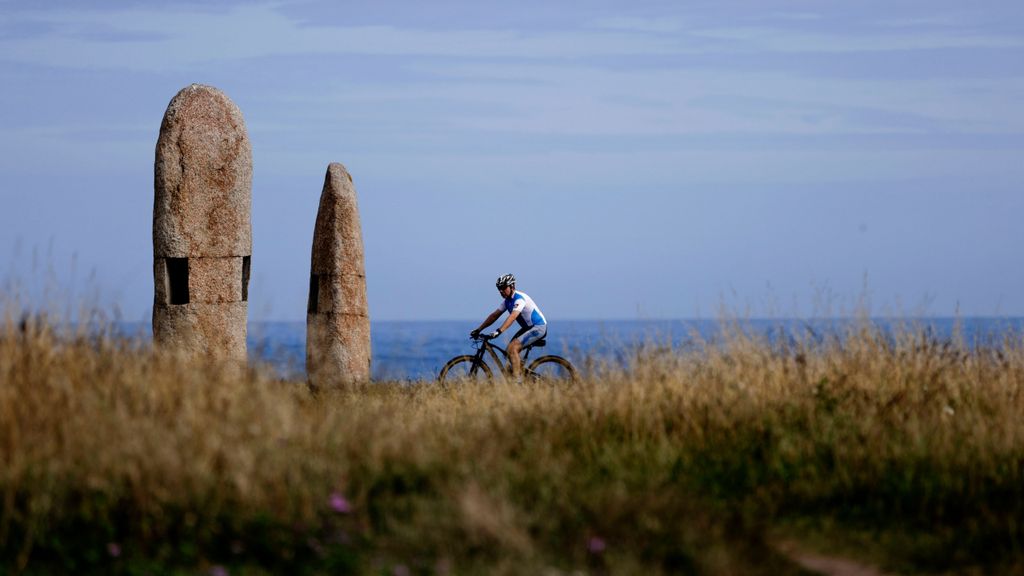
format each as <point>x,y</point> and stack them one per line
<point>826,565</point>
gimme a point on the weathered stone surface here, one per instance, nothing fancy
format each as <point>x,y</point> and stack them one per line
<point>203,329</point>
<point>338,319</point>
<point>338,248</point>
<point>336,361</point>
<point>215,280</point>
<point>202,231</point>
<point>161,283</point>
<point>203,178</point>
<point>342,297</point>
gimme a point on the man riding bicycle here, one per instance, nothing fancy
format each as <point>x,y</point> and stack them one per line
<point>521,309</point>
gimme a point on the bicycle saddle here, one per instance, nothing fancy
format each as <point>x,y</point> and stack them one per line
<point>538,344</point>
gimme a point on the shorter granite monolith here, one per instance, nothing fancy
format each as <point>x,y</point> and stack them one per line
<point>202,231</point>
<point>338,317</point>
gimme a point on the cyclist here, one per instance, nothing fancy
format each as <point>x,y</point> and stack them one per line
<point>521,308</point>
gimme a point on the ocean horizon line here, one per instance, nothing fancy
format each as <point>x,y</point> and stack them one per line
<point>759,319</point>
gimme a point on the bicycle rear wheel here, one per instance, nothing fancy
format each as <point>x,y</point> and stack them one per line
<point>461,369</point>
<point>554,369</point>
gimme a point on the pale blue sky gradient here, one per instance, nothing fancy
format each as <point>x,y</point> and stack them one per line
<point>623,159</point>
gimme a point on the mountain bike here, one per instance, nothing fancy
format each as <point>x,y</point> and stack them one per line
<point>474,368</point>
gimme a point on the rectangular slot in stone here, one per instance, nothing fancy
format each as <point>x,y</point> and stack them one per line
<point>314,294</point>
<point>325,293</point>
<point>245,278</point>
<point>177,280</point>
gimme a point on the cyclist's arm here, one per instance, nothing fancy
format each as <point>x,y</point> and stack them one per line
<point>490,319</point>
<point>508,321</point>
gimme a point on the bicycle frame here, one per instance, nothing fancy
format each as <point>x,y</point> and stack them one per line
<point>487,346</point>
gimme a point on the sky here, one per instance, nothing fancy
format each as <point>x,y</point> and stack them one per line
<point>625,160</point>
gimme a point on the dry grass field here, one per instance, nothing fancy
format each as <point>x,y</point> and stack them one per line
<point>899,450</point>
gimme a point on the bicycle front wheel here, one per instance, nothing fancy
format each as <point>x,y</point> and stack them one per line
<point>554,369</point>
<point>462,369</point>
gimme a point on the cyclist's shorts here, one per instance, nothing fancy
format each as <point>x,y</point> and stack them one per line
<point>533,334</point>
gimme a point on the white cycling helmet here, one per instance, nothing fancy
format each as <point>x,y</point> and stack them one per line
<point>504,281</point>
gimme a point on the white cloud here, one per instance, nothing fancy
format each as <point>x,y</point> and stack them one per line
<point>168,39</point>
<point>180,39</point>
<point>542,98</point>
<point>932,20</point>
<point>497,93</point>
<point>764,39</point>
<point>634,24</point>
<point>797,16</point>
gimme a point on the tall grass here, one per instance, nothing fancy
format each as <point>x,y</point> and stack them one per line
<point>117,457</point>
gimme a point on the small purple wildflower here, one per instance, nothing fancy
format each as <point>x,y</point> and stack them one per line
<point>114,549</point>
<point>219,570</point>
<point>339,504</point>
<point>596,545</point>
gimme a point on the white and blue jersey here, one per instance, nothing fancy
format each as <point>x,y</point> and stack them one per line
<point>529,314</point>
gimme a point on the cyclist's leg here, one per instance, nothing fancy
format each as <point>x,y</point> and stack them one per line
<point>514,347</point>
<point>531,335</point>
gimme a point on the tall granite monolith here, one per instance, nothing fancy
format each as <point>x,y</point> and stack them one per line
<point>202,229</point>
<point>338,317</point>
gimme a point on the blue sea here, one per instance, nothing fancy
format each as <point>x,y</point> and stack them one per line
<point>418,350</point>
